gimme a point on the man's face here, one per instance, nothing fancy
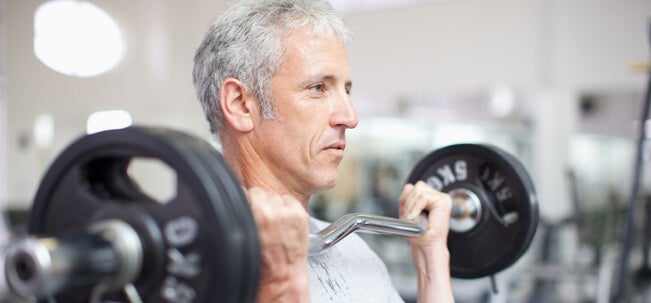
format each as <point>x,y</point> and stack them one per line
<point>304,145</point>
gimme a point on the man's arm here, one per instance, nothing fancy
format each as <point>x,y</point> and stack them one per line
<point>430,251</point>
<point>283,229</point>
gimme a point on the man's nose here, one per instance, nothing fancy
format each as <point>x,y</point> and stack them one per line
<point>344,113</point>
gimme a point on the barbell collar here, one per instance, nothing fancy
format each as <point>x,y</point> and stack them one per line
<point>109,254</point>
<point>466,210</point>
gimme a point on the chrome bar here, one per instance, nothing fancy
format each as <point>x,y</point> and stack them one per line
<point>354,222</point>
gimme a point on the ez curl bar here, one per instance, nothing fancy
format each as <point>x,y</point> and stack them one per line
<point>94,235</point>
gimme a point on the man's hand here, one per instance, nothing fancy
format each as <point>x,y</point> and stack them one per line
<point>430,251</point>
<point>421,199</point>
<point>283,229</point>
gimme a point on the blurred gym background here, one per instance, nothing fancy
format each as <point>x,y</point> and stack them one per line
<point>558,83</point>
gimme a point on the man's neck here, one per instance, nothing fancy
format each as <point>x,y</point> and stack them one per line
<point>252,171</point>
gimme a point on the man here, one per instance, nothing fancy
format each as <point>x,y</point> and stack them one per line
<point>273,78</point>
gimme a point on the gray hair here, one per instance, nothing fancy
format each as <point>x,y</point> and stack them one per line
<point>246,43</point>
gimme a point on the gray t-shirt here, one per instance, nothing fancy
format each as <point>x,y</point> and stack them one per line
<point>349,272</point>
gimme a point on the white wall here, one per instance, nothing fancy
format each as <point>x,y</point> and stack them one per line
<point>593,42</point>
<point>3,111</point>
<point>531,45</point>
<point>450,46</point>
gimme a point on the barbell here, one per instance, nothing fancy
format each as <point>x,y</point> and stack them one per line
<point>94,235</point>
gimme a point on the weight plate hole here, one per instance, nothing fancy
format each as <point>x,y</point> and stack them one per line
<point>154,178</point>
<point>25,268</point>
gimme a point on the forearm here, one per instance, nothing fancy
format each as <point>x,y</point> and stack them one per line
<point>430,250</point>
<point>433,271</point>
<point>291,287</point>
<point>283,227</point>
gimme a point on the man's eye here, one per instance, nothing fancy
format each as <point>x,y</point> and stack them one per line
<point>317,87</point>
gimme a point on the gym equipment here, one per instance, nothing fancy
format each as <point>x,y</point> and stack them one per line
<point>489,179</point>
<point>95,235</point>
<point>628,237</point>
<point>101,237</point>
<point>494,202</point>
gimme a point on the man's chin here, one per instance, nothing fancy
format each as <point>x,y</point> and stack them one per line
<point>327,184</point>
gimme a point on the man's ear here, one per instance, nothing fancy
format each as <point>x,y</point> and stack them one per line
<point>238,105</point>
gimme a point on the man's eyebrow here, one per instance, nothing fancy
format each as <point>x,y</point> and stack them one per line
<point>348,84</point>
<point>325,77</point>
<point>328,77</point>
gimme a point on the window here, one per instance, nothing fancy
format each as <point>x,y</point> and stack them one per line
<point>105,120</point>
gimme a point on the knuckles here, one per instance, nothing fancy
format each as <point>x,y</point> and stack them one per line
<point>271,210</point>
<point>421,197</point>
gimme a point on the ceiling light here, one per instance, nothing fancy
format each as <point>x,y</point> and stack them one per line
<point>76,38</point>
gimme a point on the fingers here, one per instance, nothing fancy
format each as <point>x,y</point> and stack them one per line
<point>281,213</point>
<point>283,226</point>
<point>421,198</point>
<point>403,197</point>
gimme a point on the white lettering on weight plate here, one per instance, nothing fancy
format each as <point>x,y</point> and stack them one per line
<point>173,291</point>
<point>180,232</point>
<point>447,175</point>
<point>186,266</point>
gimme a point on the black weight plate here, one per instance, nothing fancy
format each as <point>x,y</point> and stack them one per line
<point>248,259</point>
<point>88,182</point>
<point>504,189</point>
